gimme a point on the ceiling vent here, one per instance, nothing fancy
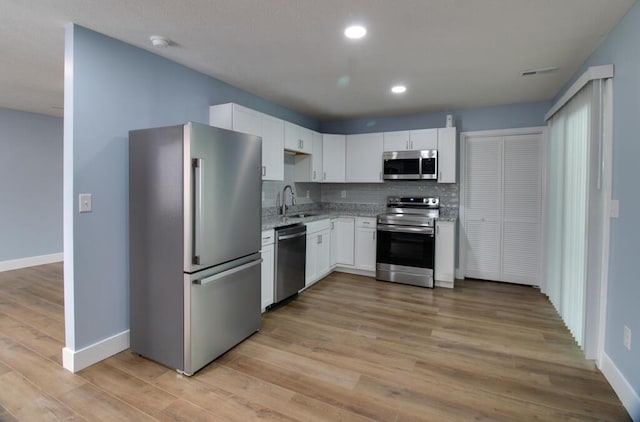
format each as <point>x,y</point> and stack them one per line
<point>538,71</point>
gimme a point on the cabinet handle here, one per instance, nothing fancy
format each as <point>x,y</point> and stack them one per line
<point>264,170</point>
<point>333,225</point>
<point>319,239</point>
<point>314,175</point>
<point>407,144</point>
<point>301,143</point>
<point>380,176</point>
<point>325,175</point>
<point>374,235</point>
<point>437,230</point>
<point>439,175</point>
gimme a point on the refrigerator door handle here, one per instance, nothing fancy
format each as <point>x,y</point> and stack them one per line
<point>227,273</point>
<point>198,170</point>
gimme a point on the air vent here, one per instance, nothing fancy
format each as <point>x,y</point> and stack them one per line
<point>538,71</point>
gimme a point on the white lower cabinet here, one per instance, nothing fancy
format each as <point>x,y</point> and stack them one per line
<point>267,269</point>
<point>366,243</point>
<point>318,251</point>
<point>345,236</point>
<point>445,253</point>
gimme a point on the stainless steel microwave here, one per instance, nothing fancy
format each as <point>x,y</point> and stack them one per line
<point>410,165</point>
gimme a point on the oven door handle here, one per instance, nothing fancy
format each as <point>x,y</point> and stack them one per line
<point>406,229</point>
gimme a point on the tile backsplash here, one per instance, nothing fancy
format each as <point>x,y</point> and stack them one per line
<point>311,194</point>
<point>377,193</point>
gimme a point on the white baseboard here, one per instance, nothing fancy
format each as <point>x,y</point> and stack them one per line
<point>75,361</point>
<point>446,284</point>
<point>628,396</point>
<point>355,271</point>
<point>31,261</point>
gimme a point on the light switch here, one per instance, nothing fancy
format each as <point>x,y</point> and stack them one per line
<point>615,208</point>
<point>85,202</point>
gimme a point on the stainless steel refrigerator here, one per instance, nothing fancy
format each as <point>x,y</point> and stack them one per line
<point>194,241</point>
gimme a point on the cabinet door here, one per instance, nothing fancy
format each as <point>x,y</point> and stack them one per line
<point>447,149</point>
<point>247,121</point>
<point>445,252</point>
<point>424,139</point>
<point>272,148</point>
<point>366,249</point>
<point>324,253</point>
<point>364,158</point>
<point>267,276</point>
<point>333,158</point>
<point>346,241</point>
<point>396,141</point>
<point>316,157</point>
<point>333,250</point>
<point>311,270</point>
<point>297,138</point>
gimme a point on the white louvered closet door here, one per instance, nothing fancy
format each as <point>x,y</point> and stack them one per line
<point>521,209</point>
<point>483,198</point>
<point>502,208</point>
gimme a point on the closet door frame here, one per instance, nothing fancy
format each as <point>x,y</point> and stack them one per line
<point>464,136</point>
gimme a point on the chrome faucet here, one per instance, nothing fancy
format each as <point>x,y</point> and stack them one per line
<point>283,208</point>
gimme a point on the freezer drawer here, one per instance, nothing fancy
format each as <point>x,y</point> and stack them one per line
<point>221,310</point>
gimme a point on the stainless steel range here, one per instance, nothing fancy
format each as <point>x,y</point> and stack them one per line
<point>406,241</point>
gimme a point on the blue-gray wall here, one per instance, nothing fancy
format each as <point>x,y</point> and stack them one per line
<point>116,87</point>
<point>621,48</point>
<point>465,120</point>
<point>31,185</point>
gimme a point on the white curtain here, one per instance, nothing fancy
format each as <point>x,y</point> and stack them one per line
<point>567,210</point>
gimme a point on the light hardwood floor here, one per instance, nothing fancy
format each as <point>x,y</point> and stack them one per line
<point>349,349</point>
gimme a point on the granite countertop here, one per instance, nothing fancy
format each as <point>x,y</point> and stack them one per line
<point>273,221</point>
<point>277,221</point>
<point>448,214</point>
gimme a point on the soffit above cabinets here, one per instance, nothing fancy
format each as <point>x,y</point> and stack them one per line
<point>449,53</point>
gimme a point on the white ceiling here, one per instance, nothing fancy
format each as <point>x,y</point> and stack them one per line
<point>450,53</point>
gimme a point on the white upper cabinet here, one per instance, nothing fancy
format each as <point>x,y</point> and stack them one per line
<point>364,158</point>
<point>424,139</point>
<point>447,150</point>
<point>409,140</point>
<point>396,141</point>
<point>333,158</point>
<point>308,168</point>
<point>297,138</point>
<point>242,119</point>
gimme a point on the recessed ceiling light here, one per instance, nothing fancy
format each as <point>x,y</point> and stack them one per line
<point>398,89</point>
<point>160,41</point>
<point>355,32</point>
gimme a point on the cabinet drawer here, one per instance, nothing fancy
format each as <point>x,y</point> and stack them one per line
<point>267,237</point>
<point>316,226</point>
<point>366,222</point>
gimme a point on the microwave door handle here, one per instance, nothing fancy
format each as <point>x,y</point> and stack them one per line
<point>198,203</point>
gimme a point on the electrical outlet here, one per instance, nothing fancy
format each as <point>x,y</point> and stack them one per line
<point>85,202</point>
<point>615,208</point>
<point>627,337</point>
<point>343,194</point>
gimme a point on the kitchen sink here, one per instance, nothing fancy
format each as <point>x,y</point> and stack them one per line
<point>304,214</point>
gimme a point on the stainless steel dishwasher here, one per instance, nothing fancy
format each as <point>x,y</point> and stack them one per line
<point>290,259</point>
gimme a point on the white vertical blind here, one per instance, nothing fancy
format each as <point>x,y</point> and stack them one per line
<point>567,212</point>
